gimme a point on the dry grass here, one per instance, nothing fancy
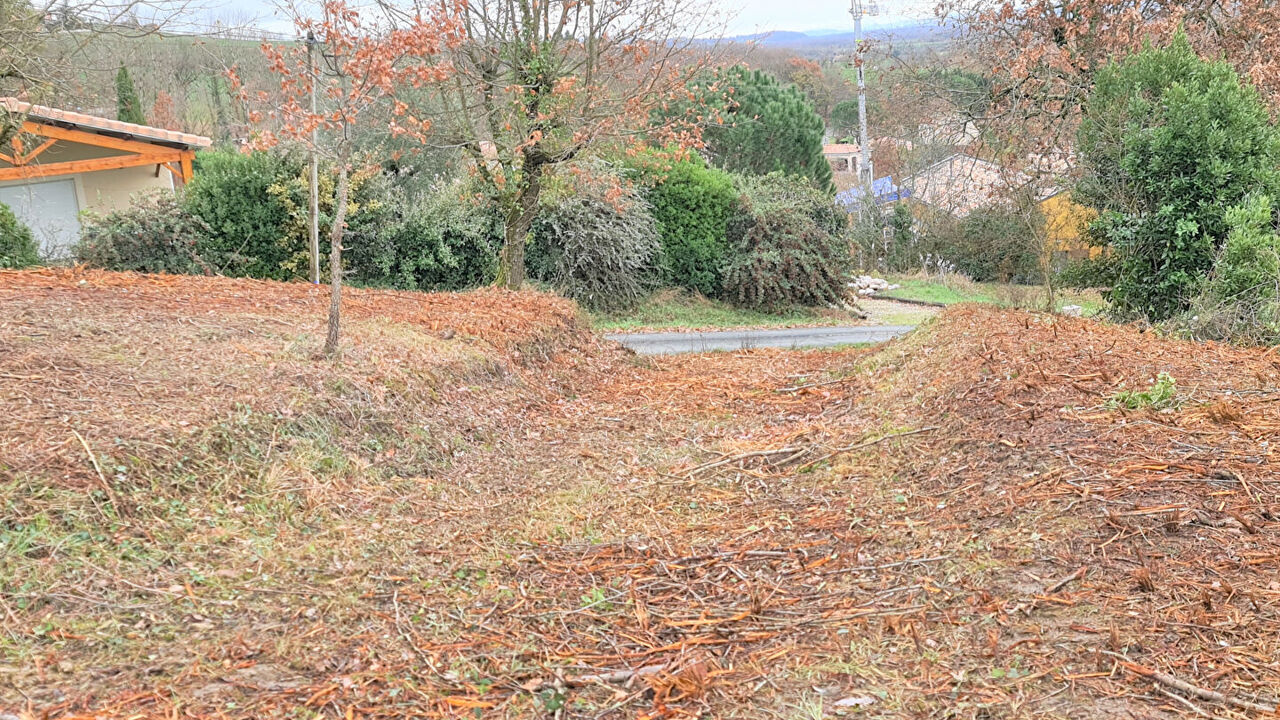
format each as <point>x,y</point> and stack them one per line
<point>955,525</point>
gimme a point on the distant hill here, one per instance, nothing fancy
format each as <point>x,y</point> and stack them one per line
<point>904,30</point>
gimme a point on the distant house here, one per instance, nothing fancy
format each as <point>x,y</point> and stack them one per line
<point>59,163</point>
<point>961,183</point>
<point>844,158</point>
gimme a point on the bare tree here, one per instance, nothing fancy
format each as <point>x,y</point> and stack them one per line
<point>540,84</point>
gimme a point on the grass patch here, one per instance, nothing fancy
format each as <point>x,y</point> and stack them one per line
<point>680,310</point>
<point>953,288</point>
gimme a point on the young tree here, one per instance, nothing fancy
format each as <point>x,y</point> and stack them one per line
<point>764,126</point>
<point>364,65</point>
<point>163,113</point>
<point>538,85</point>
<point>128,106</point>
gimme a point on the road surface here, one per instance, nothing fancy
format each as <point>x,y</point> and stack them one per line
<point>668,343</point>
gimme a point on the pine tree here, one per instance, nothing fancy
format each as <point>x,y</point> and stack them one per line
<point>128,106</point>
<point>767,127</point>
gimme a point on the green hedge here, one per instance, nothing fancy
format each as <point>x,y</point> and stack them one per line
<point>446,240</point>
<point>248,224</point>
<point>691,203</point>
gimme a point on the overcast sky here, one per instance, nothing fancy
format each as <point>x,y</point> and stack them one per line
<point>745,16</point>
<point>804,15</point>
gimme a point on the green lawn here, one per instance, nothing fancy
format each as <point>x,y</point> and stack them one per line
<point>956,289</point>
<point>674,309</point>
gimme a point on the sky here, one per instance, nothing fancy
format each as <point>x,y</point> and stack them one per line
<point>754,16</point>
<point>745,17</point>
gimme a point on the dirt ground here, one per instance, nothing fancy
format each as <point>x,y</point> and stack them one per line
<point>482,511</point>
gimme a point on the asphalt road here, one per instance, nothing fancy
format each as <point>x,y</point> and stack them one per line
<point>669,343</point>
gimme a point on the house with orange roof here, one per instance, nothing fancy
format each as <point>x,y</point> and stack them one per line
<point>55,164</point>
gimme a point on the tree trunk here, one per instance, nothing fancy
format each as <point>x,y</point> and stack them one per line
<point>335,259</point>
<point>516,232</point>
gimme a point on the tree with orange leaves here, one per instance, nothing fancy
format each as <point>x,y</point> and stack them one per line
<point>1044,54</point>
<point>537,85</point>
<point>365,64</point>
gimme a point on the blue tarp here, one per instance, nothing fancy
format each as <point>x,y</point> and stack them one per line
<point>883,190</point>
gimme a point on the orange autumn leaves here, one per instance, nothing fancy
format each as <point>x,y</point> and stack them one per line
<point>361,67</point>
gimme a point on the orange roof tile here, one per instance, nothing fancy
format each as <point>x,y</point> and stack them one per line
<point>93,123</point>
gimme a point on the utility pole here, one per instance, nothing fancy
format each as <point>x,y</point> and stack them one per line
<point>865,174</point>
<point>315,165</point>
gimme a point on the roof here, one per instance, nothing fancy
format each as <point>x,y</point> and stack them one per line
<point>840,149</point>
<point>960,183</point>
<point>104,126</point>
<point>882,189</point>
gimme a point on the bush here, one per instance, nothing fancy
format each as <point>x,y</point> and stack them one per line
<point>18,248</point>
<point>248,225</point>
<point>154,235</point>
<point>445,241</point>
<point>1241,300</point>
<point>597,245</point>
<point>1248,268</point>
<point>787,246</point>
<point>372,206</point>
<point>691,203</point>
<point>1169,142</point>
<point>990,244</point>
<point>1097,271</point>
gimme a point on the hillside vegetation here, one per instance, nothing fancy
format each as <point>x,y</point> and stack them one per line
<point>487,513</point>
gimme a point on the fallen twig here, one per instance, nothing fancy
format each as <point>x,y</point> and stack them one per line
<point>886,566</point>
<point>102,478</point>
<point>806,386</point>
<point>616,676</point>
<point>742,456</point>
<point>866,444</point>
<point>1084,569</point>
<point>1186,687</point>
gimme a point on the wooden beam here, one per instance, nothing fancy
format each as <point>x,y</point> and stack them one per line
<point>26,159</point>
<point>177,171</point>
<point>79,166</point>
<point>88,138</point>
<point>185,161</point>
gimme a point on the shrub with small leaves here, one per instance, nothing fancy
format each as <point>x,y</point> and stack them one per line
<point>248,225</point>
<point>691,203</point>
<point>154,235</point>
<point>18,248</point>
<point>447,240</point>
<point>787,246</point>
<point>1241,300</point>
<point>597,245</point>
<point>1248,266</point>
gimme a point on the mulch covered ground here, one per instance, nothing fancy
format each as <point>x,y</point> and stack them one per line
<point>959,524</point>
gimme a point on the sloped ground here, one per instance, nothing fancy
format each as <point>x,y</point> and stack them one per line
<point>956,525</point>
